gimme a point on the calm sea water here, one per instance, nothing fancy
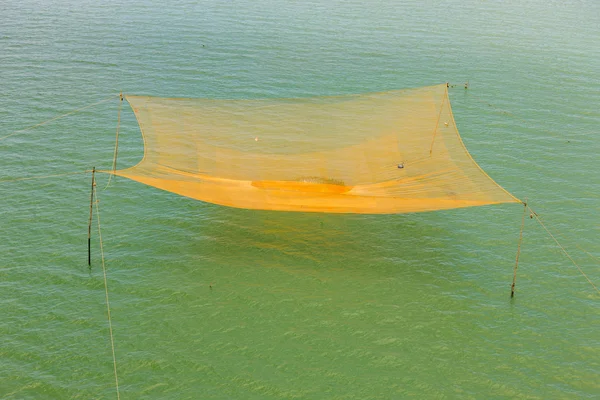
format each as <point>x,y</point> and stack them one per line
<point>302,306</point>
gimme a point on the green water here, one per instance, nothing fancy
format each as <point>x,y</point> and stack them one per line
<point>302,306</point>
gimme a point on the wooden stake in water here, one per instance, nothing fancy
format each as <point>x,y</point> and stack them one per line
<point>514,282</point>
<point>90,221</point>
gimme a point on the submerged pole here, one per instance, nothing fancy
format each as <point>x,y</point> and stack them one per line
<point>90,220</point>
<point>514,282</point>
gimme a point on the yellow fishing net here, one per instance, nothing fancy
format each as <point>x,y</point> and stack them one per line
<point>378,153</point>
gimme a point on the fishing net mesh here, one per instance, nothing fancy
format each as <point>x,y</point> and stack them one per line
<point>391,152</point>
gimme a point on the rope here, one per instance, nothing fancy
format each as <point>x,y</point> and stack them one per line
<point>533,213</point>
<point>112,341</point>
<point>526,122</point>
<point>55,118</point>
<point>588,253</point>
<point>514,282</point>
<point>43,176</point>
<point>438,120</point>
<point>114,164</point>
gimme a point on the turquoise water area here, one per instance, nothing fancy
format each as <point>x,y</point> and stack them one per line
<point>302,306</point>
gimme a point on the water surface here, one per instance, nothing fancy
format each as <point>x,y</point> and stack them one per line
<point>301,305</point>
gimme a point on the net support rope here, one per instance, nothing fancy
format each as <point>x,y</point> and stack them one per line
<point>506,112</point>
<point>588,253</point>
<point>438,121</point>
<point>27,178</point>
<point>110,329</point>
<point>116,152</point>
<point>534,214</point>
<point>55,118</point>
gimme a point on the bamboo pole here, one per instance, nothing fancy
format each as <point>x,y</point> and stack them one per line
<point>90,220</point>
<point>514,282</point>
